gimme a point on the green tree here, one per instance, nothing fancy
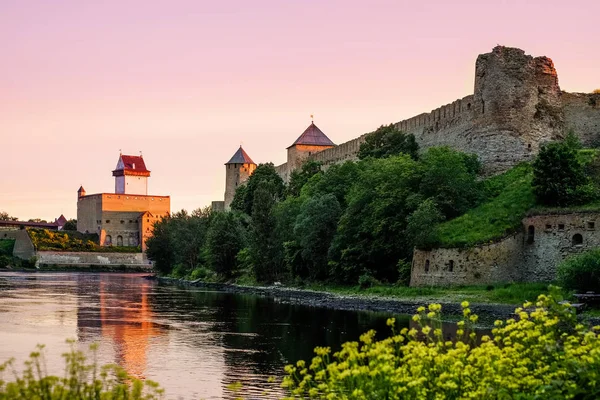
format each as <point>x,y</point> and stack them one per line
<point>421,224</point>
<point>558,174</point>
<point>265,250</point>
<point>337,180</point>
<point>300,177</point>
<point>314,230</point>
<point>449,178</point>
<point>262,173</point>
<point>388,141</point>
<point>160,247</point>
<point>70,225</point>
<point>370,237</point>
<point>225,238</point>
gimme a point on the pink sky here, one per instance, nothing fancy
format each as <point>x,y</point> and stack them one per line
<point>187,81</point>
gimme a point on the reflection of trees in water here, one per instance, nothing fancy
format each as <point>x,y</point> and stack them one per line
<point>262,334</point>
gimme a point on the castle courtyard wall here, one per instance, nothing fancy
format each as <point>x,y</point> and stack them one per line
<point>582,116</point>
<point>91,259</point>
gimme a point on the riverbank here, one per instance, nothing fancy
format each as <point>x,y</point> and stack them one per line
<point>340,300</point>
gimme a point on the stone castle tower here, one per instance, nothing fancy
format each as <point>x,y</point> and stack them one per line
<point>237,171</point>
<point>131,175</point>
<point>312,141</point>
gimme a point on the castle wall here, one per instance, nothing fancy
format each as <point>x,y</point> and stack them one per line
<point>531,255</point>
<point>89,213</point>
<point>516,106</point>
<point>496,262</point>
<point>91,259</point>
<point>554,239</point>
<point>582,116</point>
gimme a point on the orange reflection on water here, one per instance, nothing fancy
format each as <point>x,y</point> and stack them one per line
<point>126,319</point>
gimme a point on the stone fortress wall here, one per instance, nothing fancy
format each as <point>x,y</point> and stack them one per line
<point>517,105</point>
<point>530,255</point>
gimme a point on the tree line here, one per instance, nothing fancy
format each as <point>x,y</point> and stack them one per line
<point>356,221</point>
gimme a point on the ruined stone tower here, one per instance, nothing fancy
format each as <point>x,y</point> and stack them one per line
<point>237,171</point>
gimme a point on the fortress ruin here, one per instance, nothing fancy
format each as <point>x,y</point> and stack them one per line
<point>516,106</point>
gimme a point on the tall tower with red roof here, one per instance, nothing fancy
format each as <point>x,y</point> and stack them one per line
<point>311,141</point>
<point>131,175</point>
<point>237,171</point>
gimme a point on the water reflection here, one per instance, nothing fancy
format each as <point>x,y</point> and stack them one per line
<point>195,343</point>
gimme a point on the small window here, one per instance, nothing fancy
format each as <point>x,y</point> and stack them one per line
<point>591,225</point>
<point>548,227</point>
<point>529,146</point>
<point>130,221</point>
<point>468,106</point>
<point>426,266</point>
<point>148,220</point>
<point>108,221</point>
<point>577,240</point>
<point>561,227</point>
<point>451,266</point>
<point>122,221</point>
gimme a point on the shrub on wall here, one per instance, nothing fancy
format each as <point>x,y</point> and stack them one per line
<point>581,272</point>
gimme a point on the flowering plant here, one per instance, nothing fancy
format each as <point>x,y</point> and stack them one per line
<point>541,353</point>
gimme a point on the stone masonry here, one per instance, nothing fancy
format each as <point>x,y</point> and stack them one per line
<point>527,256</point>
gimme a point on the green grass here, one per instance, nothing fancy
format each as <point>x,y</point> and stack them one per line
<point>509,197</point>
<point>509,293</point>
<point>6,247</point>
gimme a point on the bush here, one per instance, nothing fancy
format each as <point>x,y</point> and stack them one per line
<point>366,281</point>
<point>81,380</point>
<point>545,354</point>
<point>581,272</point>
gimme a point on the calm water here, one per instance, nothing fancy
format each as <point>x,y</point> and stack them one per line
<point>193,342</point>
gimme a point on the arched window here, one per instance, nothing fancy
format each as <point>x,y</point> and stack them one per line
<point>108,240</point>
<point>451,266</point>
<point>530,233</point>
<point>426,265</point>
<point>577,239</point>
<point>119,240</point>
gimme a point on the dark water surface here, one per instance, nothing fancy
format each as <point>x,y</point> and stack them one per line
<point>194,342</point>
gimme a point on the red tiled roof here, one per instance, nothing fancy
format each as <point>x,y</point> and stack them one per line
<point>240,157</point>
<point>61,221</point>
<point>313,136</point>
<point>134,163</point>
<point>131,165</point>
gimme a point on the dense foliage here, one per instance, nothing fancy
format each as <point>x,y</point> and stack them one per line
<point>4,216</point>
<point>357,223</point>
<point>354,222</point>
<point>559,177</point>
<point>49,240</point>
<point>581,272</point>
<point>82,380</point>
<point>543,353</point>
<point>388,141</point>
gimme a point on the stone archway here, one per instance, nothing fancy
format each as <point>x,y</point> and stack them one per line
<point>119,240</point>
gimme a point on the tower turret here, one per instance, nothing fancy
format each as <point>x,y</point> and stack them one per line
<point>312,140</point>
<point>237,171</point>
<point>80,192</point>
<point>131,175</point>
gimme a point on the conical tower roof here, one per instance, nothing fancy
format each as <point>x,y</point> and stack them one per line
<point>240,157</point>
<point>313,136</point>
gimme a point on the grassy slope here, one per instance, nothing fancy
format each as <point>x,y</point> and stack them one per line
<point>6,247</point>
<point>509,195</point>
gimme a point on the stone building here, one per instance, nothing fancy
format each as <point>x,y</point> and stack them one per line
<point>530,255</point>
<point>516,106</point>
<point>237,171</point>
<point>125,217</point>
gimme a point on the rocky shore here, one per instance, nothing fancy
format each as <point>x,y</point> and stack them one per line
<point>487,312</point>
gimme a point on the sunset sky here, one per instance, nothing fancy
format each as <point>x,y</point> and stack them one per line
<point>186,82</point>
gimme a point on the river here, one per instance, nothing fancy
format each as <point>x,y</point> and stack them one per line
<point>194,342</point>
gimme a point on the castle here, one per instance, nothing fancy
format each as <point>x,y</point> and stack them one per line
<point>516,106</point>
<point>125,217</point>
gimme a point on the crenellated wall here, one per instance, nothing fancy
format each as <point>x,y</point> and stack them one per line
<point>516,106</point>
